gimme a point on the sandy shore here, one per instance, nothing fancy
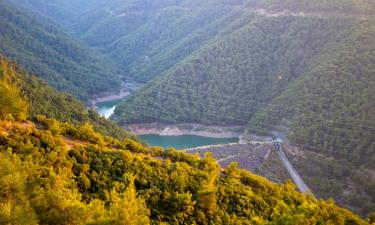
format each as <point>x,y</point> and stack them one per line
<point>185,129</point>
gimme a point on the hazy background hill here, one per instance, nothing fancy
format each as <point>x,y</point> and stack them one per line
<point>44,49</point>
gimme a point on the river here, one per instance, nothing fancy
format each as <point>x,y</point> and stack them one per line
<point>107,109</point>
<point>181,141</point>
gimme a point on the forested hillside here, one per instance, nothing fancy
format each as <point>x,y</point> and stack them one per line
<point>311,77</point>
<point>63,12</point>
<point>43,100</point>
<point>229,80</point>
<point>311,74</point>
<point>331,109</point>
<point>149,37</point>
<point>349,7</point>
<point>58,173</point>
<point>45,50</point>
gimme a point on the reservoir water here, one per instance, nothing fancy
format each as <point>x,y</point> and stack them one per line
<point>183,141</point>
<point>106,109</point>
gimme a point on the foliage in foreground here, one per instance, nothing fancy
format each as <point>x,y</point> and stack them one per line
<point>56,173</point>
<point>44,100</point>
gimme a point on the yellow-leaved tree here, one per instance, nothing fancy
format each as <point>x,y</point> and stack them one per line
<point>127,208</point>
<point>14,205</point>
<point>11,102</point>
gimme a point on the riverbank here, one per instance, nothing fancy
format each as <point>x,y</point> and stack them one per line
<point>113,95</point>
<point>186,129</point>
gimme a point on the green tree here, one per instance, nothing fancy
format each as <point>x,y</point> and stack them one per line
<point>128,209</point>
<point>14,205</point>
<point>371,218</point>
<point>11,102</point>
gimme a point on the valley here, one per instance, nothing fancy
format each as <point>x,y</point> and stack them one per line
<point>169,111</point>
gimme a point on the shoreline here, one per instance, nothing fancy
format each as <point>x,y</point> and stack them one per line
<point>185,129</point>
<point>109,98</point>
<point>124,91</point>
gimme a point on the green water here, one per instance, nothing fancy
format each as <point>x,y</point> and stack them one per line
<point>183,141</point>
<point>106,109</point>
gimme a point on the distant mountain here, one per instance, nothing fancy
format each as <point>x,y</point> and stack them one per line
<point>45,50</point>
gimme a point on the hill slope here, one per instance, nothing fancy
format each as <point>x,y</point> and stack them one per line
<point>74,177</point>
<point>44,50</point>
<point>44,100</point>
<point>284,70</point>
<point>148,38</point>
<point>64,12</point>
<point>331,107</point>
<point>235,76</point>
<point>348,7</point>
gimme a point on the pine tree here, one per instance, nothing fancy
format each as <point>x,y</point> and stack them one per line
<point>14,205</point>
<point>11,102</point>
<point>128,209</point>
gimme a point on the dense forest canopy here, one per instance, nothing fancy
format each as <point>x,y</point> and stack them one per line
<point>311,74</point>
<point>150,37</point>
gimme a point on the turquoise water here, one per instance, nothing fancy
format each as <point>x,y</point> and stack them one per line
<point>183,141</point>
<point>106,109</point>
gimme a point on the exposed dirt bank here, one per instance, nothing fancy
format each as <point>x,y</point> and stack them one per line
<point>185,129</point>
<point>112,95</point>
<point>108,98</point>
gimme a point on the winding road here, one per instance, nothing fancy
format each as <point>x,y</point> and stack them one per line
<point>301,185</point>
